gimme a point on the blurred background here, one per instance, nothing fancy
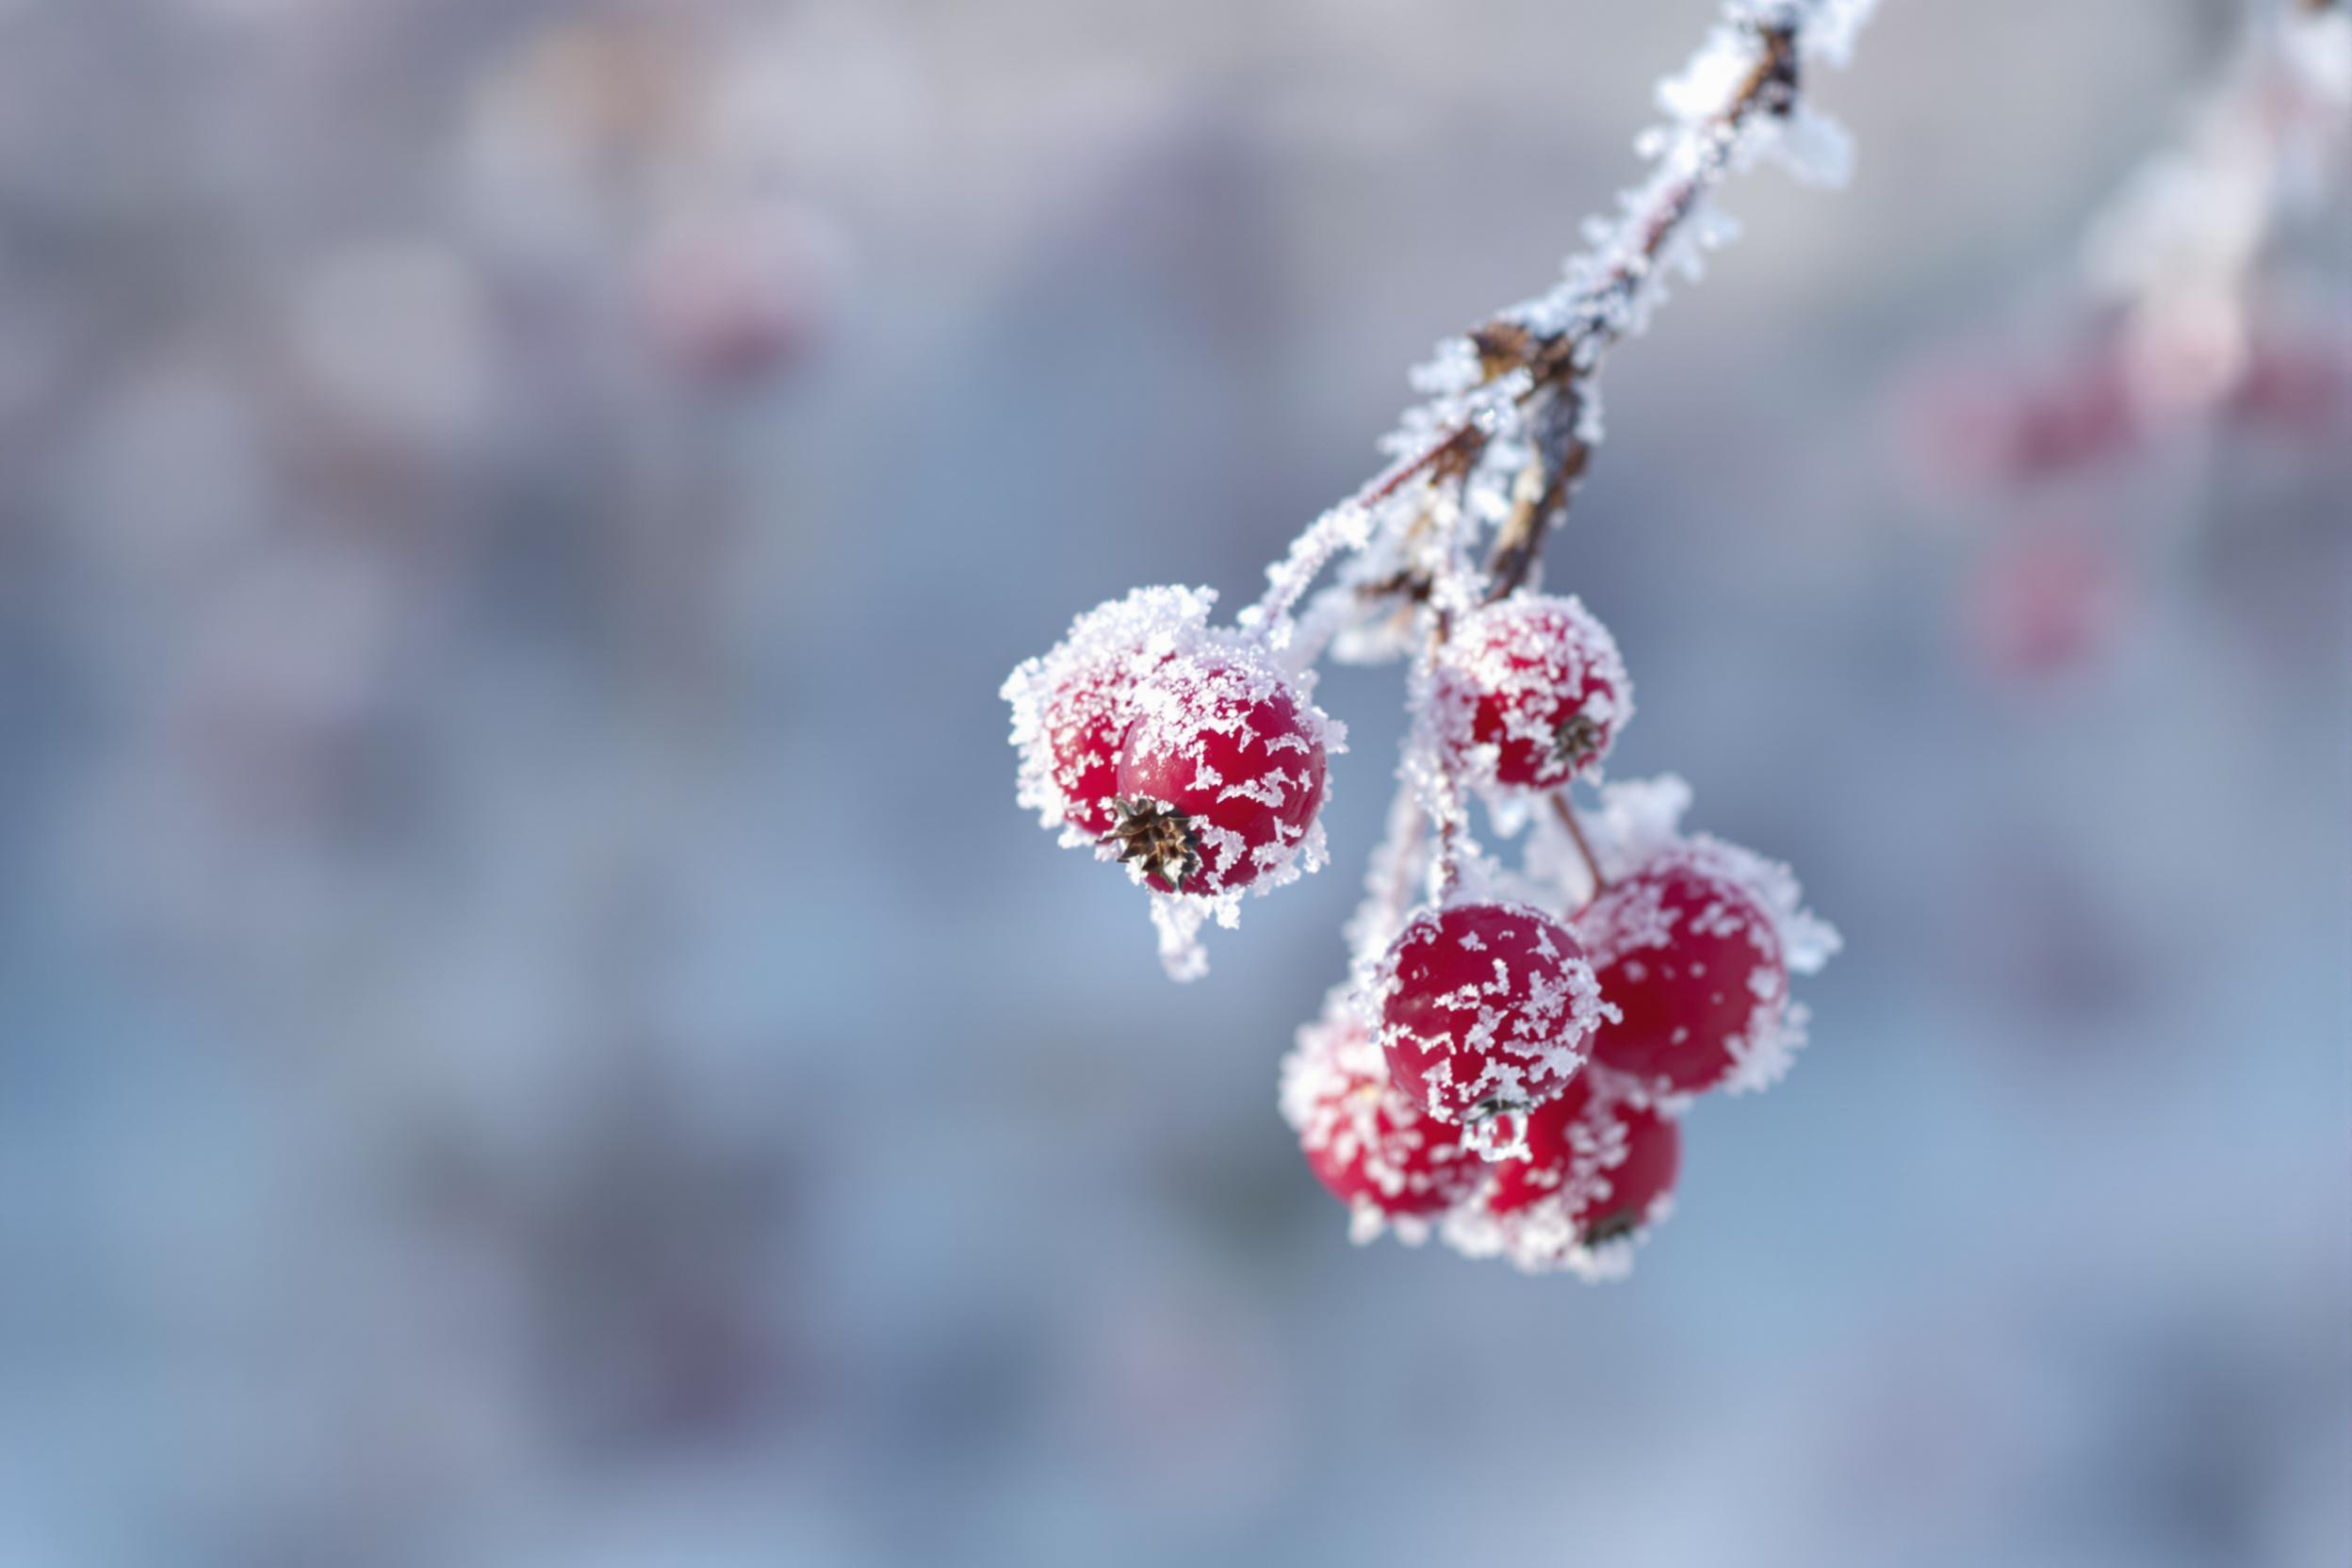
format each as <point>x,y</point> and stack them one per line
<point>532,1030</point>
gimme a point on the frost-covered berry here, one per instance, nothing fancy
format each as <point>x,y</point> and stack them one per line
<point>1484,1009</point>
<point>1220,774</point>
<point>1688,952</point>
<point>1600,1171</point>
<point>1072,706</point>
<point>1085,722</point>
<point>1531,692</point>
<point>1546,1166</point>
<point>1372,1147</point>
<point>1601,1162</point>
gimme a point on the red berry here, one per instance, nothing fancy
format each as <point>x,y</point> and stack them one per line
<point>1367,1143</point>
<point>1485,1008</point>
<point>1690,958</point>
<point>1531,692</point>
<point>1072,708</point>
<point>1220,776</point>
<point>1546,1166</point>
<point>1602,1161</point>
<point>1634,1183</point>
<point>1083,723</point>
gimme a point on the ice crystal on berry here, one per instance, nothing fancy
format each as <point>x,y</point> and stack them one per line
<point>1072,706</point>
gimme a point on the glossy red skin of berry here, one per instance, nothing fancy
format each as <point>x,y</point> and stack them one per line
<point>1521,1182</point>
<point>1231,750</point>
<point>1485,1007</point>
<point>1084,725</point>
<point>1693,964</point>
<point>1606,1159</point>
<point>1517,672</point>
<point>1367,1143</point>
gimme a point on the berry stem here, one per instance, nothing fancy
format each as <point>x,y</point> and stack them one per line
<point>1349,524</point>
<point>1400,888</point>
<point>1537,366</point>
<point>1566,811</point>
<point>1443,790</point>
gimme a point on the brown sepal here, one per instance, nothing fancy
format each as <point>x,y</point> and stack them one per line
<point>1161,838</point>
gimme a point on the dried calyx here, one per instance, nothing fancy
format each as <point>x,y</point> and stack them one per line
<point>1578,740</point>
<point>1162,839</point>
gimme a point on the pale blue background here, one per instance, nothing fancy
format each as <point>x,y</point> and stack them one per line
<point>532,1033</point>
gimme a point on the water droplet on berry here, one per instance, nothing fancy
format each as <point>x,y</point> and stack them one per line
<point>1501,1134</point>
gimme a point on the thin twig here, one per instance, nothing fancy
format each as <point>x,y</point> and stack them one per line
<point>1545,374</point>
<point>1452,455</point>
<point>1558,365</point>
<point>1455,450</point>
<point>1561,363</point>
<point>1566,811</point>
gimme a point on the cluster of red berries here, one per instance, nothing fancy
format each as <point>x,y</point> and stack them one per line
<point>1510,1070</point>
<point>1515,1079</point>
<point>1596,1167</point>
<point>1511,1062</point>
<point>1508,1060</point>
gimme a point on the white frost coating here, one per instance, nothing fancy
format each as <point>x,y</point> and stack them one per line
<point>1592,424</point>
<point>1396,1166</point>
<point>1180,918</point>
<point>1113,645</point>
<point>1636,917</point>
<point>1807,940</point>
<point>1515,1028</point>
<point>1499,1138</point>
<point>1638,827</point>
<point>1698,148</point>
<point>1636,818</point>
<point>1426,770</point>
<point>1607,292</point>
<point>1604,295</point>
<point>1148,674</point>
<point>1816,149</point>
<point>1543,1240</point>
<point>1344,526</point>
<point>1829,27</point>
<point>1546,1236</point>
<point>1704,87</point>
<point>1207,694</point>
<point>1541,661</point>
<point>2320,50</point>
<point>1395,872</point>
